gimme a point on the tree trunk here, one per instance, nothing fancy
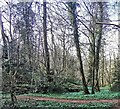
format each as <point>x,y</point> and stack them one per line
<point>93,64</point>
<point>99,46</point>
<point>119,30</point>
<point>47,60</point>
<point>72,6</point>
<point>103,66</point>
<point>64,53</point>
<point>4,38</point>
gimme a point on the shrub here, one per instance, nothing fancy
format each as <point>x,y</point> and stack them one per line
<point>116,86</point>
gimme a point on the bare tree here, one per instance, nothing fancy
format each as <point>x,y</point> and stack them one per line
<point>47,58</point>
<point>72,10</point>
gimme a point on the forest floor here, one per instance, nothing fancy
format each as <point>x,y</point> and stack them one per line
<point>116,101</point>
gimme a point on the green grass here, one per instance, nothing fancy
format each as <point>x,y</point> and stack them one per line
<point>97,105</point>
<point>104,94</point>
<point>52,105</point>
<point>56,104</point>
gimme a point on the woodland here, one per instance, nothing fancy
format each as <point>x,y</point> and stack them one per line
<point>59,54</point>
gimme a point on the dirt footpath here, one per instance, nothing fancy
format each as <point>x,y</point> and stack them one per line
<point>117,101</point>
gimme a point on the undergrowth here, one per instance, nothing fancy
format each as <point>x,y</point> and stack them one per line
<point>104,94</point>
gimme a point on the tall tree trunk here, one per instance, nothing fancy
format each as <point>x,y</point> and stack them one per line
<point>72,6</point>
<point>4,38</point>
<point>99,46</point>
<point>93,64</point>
<point>89,80</point>
<point>119,30</point>
<point>47,60</point>
<point>54,51</point>
<point>64,53</point>
<point>103,66</point>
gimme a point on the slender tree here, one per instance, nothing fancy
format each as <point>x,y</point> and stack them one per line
<point>72,9</point>
<point>47,58</point>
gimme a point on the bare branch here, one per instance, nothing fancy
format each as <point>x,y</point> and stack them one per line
<point>105,23</point>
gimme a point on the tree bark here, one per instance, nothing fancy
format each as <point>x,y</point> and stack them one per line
<point>76,40</point>
<point>4,38</point>
<point>119,30</point>
<point>98,47</point>
<point>93,66</point>
<point>47,60</point>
